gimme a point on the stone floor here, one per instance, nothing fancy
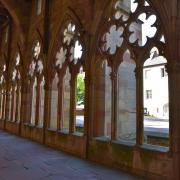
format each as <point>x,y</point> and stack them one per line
<point>21,159</point>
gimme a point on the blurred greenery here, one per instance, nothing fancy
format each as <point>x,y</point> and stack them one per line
<point>80,94</point>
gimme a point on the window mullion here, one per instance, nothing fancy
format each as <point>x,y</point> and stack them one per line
<point>60,104</point>
<point>12,103</point>
<point>37,104</point>
<point>4,105</point>
<point>114,105</point>
<point>72,103</point>
<point>18,103</point>
<point>139,106</point>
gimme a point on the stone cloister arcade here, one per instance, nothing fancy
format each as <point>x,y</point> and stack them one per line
<point>46,46</point>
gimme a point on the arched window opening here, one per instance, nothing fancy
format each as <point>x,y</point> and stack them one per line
<point>2,94</point>
<point>1,102</point>
<point>58,92</point>
<point>156,99</point>
<point>33,103</point>
<point>9,100</point>
<point>126,113</point>
<point>80,95</point>
<point>103,104</point>
<point>129,25</point>
<point>18,105</point>
<point>16,90</point>
<point>41,102</point>
<point>141,26</point>
<point>37,82</point>
<point>6,35</point>
<point>68,61</point>
<point>38,7</point>
<point>66,101</point>
<point>4,105</point>
<point>13,106</point>
<point>54,102</point>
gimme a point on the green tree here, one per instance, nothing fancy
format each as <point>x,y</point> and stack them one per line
<point>80,93</point>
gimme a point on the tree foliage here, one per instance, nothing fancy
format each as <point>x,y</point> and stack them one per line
<point>80,89</point>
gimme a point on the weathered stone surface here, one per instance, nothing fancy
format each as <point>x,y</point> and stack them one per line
<point>24,159</point>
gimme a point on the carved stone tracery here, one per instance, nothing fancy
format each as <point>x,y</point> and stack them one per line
<point>133,25</point>
<point>36,83</point>
<point>132,28</point>
<point>68,61</point>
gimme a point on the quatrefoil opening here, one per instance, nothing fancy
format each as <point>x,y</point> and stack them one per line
<point>36,50</point>
<point>143,29</point>
<point>113,39</point>
<point>69,33</point>
<point>123,9</point>
<point>32,68</point>
<point>76,52</point>
<point>39,66</point>
<point>61,57</point>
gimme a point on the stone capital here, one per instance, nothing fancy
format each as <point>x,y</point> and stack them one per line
<point>113,75</point>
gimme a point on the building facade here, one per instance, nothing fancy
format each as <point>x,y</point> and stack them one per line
<point>156,95</point>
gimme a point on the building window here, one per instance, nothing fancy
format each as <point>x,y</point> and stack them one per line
<point>147,74</point>
<point>163,72</point>
<point>148,94</point>
<point>38,7</point>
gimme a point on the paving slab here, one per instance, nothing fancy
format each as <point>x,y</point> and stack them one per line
<point>22,159</point>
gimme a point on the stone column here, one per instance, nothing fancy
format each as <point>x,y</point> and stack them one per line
<point>72,104</point>
<point>139,106</point>
<point>114,105</point>
<point>38,96</point>
<point>47,106</point>
<point>60,105</point>
<point>173,70</point>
